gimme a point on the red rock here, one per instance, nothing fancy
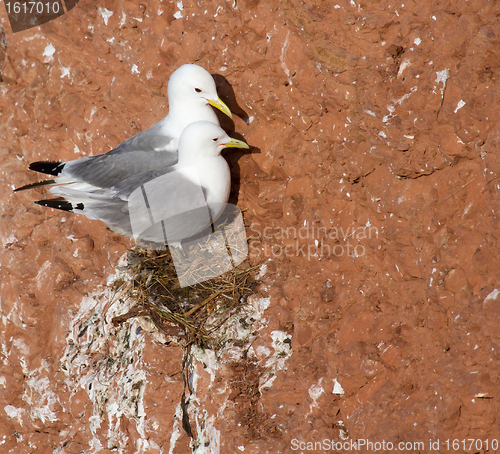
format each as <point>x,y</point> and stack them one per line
<point>355,128</point>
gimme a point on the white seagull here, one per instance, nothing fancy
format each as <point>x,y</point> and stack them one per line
<point>191,93</point>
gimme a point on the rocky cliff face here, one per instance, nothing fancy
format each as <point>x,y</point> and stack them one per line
<point>371,211</point>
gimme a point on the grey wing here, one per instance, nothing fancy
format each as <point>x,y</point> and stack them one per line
<point>165,208</point>
<point>159,206</point>
<point>144,152</point>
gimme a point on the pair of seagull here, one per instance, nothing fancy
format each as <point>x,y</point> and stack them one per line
<point>169,181</point>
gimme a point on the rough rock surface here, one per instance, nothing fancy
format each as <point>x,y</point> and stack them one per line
<point>372,209</point>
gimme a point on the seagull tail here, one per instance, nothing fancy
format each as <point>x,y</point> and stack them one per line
<point>35,185</point>
<point>48,167</point>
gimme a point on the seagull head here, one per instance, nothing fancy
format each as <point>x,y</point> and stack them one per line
<point>193,85</point>
<point>203,139</point>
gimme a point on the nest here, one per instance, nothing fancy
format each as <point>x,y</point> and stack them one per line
<point>190,315</point>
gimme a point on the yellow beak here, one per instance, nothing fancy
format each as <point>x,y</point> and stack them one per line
<point>221,106</point>
<point>234,143</point>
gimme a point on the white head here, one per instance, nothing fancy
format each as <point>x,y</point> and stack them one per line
<point>203,139</point>
<point>193,86</point>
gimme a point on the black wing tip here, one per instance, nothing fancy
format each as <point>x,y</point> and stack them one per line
<point>60,204</point>
<point>34,185</point>
<point>48,167</point>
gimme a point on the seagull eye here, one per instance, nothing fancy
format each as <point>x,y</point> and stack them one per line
<point>216,139</point>
<point>197,90</point>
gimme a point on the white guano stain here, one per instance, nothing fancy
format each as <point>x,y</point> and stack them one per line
<point>48,53</point>
<point>460,104</point>
<point>180,6</point>
<point>441,78</point>
<point>65,71</point>
<point>492,296</point>
<point>105,14</point>
<point>337,389</point>
<point>282,57</point>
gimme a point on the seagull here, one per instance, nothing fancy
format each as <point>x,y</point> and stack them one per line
<point>160,204</point>
<point>191,93</point>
